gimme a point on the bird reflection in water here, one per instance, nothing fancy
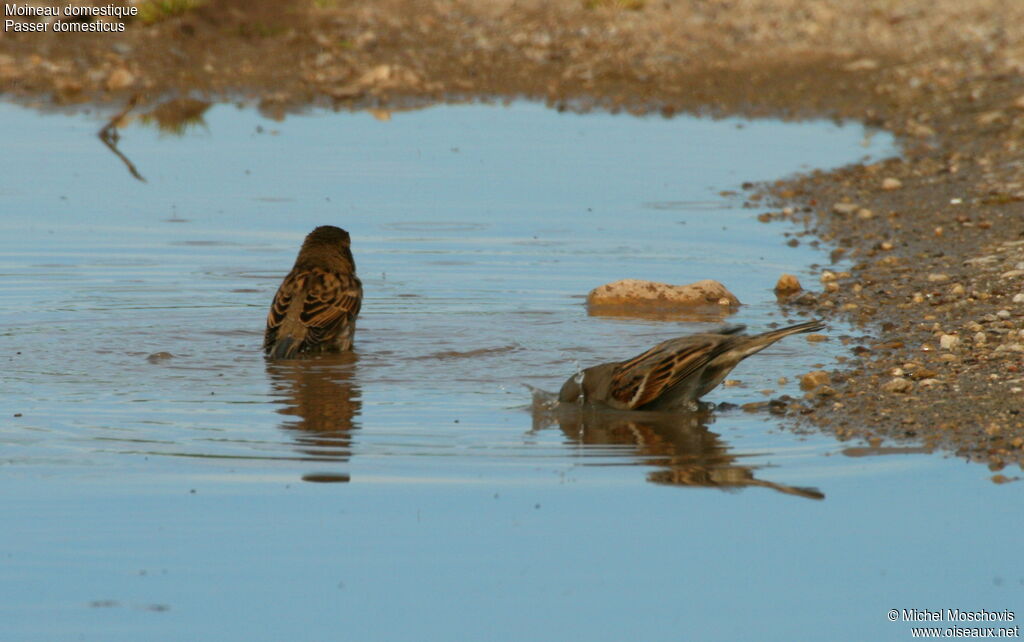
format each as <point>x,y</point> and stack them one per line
<point>322,405</point>
<point>679,445</point>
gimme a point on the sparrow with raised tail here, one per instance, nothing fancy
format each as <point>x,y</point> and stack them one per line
<point>315,308</point>
<point>673,374</point>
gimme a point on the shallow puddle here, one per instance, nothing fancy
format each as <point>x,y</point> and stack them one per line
<point>159,475</point>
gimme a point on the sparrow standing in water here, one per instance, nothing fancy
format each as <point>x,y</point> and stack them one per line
<point>673,374</point>
<point>315,308</point>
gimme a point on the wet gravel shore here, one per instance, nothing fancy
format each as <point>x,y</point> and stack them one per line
<point>929,247</point>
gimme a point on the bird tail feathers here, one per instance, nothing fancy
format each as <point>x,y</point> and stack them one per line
<point>761,341</point>
<point>284,348</point>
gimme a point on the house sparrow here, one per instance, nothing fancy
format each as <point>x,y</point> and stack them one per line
<point>315,308</point>
<point>673,374</point>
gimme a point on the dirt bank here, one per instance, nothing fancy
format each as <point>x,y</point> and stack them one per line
<point>935,241</point>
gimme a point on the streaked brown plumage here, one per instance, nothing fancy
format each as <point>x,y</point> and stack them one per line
<point>675,373</point>
<point>315,308</point>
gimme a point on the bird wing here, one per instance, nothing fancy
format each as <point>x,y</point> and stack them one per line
<point>646,377</point>
<point>279,307</point>
<point>331,299</point>
<point>328,300</point>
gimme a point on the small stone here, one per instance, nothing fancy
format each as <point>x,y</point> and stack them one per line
<point>845,208</point>
<point>938,277</point>
<point>989,117</point>
<point>865,214</point>
<point>731,383</point>
<point>1003,314</point>
<point>868,64</point>
<point>787,284</point>
<point>1018,298</point>
<point>827,276</point>
<point>957,290</point>
<point>898,385</point>
<point>832,287</point>
<point>948,341</point>
<point>157,357</point>
<point>805,298</point>
<point>890,184</point>
<point>812,380</point>
<point>119,79</point>
<point>816,338</point>
<point>980,338</point>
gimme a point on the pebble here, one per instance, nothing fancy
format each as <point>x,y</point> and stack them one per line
<point>813,379</point>
<point>980,338</point>
<point>816,338</point>
<point>119,79</point>
<point>865,214</point>
<point>949,341</point>
<point>845,208</point>
<point>828,277</point>
<point>157,357</point>
<point>787,284</point>
<point>1010,347</point>
<point>1003,314</point>
<point>806,299</point>
<point>867,64</point>
<point>891,184</point>
<point>936,277</point>
<point>898,385</point>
